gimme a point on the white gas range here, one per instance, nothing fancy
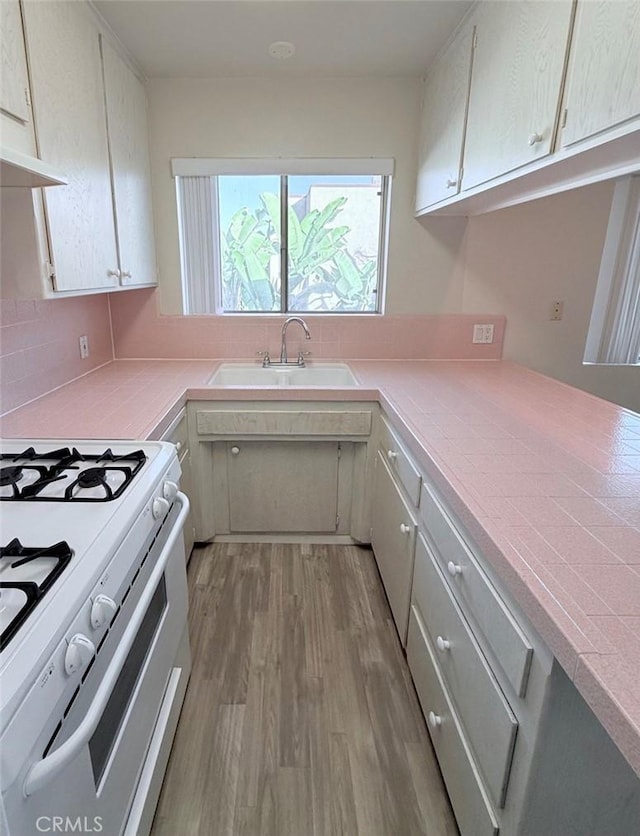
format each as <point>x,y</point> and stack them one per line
<point>94,653</point>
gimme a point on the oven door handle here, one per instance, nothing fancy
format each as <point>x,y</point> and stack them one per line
<point>44,770</point>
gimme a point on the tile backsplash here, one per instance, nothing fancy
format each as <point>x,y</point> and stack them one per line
<point>139,331</point>
<point>39,339</point>
<point>39,344</point>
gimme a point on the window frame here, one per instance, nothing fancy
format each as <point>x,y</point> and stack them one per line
<point>614,330</point>
<point>213,168</point>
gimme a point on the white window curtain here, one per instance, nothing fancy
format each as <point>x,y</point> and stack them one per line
<point>199,244</point>
<point>614,332</point>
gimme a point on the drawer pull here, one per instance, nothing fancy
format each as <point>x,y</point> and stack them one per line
<point>235,451</point>
<point>391,455</point>
<point>443,644</point>
<point>435,720</point>
<point>404,529</point>
<point>453,569</point>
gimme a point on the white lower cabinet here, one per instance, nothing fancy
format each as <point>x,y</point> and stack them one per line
<point>468,797</point>
<point>285,486</point>
<point>393,538</point>
<point>281,469</point>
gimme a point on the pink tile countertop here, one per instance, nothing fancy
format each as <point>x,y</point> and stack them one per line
<point>545,478</point>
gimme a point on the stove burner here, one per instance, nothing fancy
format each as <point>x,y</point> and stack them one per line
<point>92,477</point>
<point>62,465</point>
<point>10,476</point>
<point>33,592</point>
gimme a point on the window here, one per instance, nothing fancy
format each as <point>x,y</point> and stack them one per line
<point>614,331</point>
<point>267,241</point>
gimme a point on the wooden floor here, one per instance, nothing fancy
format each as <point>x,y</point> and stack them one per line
<point>300,718</point>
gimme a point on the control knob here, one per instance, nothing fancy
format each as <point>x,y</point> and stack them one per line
<point>80,651</point>
<point>169,490</point>
<point>102,611</point>
<point>159,507</point>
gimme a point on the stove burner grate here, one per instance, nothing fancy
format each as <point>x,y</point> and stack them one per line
<point>33,592</point>
<point>58,465</point>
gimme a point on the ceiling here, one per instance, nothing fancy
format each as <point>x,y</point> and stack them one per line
<point>332,38</point>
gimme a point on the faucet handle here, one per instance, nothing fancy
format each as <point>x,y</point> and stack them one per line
<point>301,356</point>
<point>266,360</point>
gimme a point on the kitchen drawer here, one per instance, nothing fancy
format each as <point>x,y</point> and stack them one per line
<point>393,538</point>
<point>272,422</point>
<point>476,593</point>
<point>469,799</point>
<point>400,462</point>
<point>490,724</point>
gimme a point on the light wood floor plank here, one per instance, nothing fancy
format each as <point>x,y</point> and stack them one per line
<point>300,718</point>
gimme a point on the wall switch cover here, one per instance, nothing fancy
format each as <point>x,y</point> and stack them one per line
<point>483,333</point>
<point>84,347</point>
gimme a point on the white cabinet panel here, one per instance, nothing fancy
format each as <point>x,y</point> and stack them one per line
<point>444,111</point>
<point>515,89</point>
<point>604,68</point>
<point>71,130</point>
<point>489,721</point>
<point>282,486</point>
<point>393,537</point>
<point>14,83</point>
<point>128,142</point>
<point>471,805</point>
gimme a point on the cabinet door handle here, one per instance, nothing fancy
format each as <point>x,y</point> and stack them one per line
<point>443,644</point>
<point>113,273</point>
<point>404,529</point>
<point>235,451</point>
<point>126,274</point>
<point>435,720</point>
<point>451,183</point>
<point>391,455</point>
<point>534,139</point>
<point>453,569</point>
<point>178,446</point>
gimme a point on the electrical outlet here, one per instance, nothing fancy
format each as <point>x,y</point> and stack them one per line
<point>483,333</point>
<point>84,347</point>
<point>556,311</point>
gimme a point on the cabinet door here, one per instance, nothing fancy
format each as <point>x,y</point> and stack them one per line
<point>68,99</point>
<point>515,89</point>
<point>282,486</point>
<point>14,87</point>
<point>604,68</point>
<point>444,112</point>
<point>129,145</point>
<point>393,538</point>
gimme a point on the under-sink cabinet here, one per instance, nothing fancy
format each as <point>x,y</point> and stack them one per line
<point>281,469</point>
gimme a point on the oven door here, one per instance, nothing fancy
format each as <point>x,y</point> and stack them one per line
<point>97,768</point>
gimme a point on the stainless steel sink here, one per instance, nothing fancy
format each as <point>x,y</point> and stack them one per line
<point>251,374</point>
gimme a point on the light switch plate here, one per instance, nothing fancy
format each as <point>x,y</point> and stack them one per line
<point>84,347</point>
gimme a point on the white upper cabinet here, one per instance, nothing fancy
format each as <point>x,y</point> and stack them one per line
<point>603,89</point>
<point>14,83</point>
<point>71,131</point>
<point>128,142</point>
<point>444,112</point>
<point>515,89</point>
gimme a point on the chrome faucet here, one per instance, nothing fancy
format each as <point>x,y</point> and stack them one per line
<point>283,348</point>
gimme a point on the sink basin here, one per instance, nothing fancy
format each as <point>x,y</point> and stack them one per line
<point>250,374</point>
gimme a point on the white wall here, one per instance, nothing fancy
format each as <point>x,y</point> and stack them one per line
<point>313,118</point>
<point>518,261</point>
